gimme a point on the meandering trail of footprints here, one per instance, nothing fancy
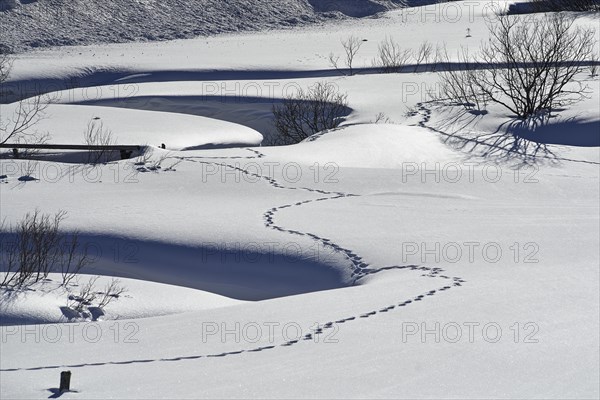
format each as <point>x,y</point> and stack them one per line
<point>425,115</point>
<point>360,269</point>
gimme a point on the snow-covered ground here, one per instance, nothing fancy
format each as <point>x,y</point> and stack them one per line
<point>424,256</point>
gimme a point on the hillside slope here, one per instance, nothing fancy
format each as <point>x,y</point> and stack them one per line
<point>43,23</point>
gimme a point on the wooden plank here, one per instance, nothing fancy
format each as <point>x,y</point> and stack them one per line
<point>68,147</point>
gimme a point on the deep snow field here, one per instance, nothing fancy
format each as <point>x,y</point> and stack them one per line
<point>425,254</point>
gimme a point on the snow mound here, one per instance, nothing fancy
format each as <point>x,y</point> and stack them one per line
<point>369,146</point>
<point>46,302</point>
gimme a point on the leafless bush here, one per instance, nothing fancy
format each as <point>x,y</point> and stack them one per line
<point>440,56</point>
<point>145,157</point>
<point>351,45</point>
<point>87,294</point>
<point>29,167</point>
<point>528,66</point>
<point>319,108</point>
<point>74,258</point>
<point>275,139</point>
<point>391,57</point>
<point>150,161</point>
<point>112,291</point>
<point>18,127</point>
<point>156,163</point>
<point>459,85</point>
<point>96,135</point>
<point>36,247</point>
<point>382,118</point>
<point>541,59</point>
<point>8,256</point>
<point>423,54</point>
<point>594,61</point>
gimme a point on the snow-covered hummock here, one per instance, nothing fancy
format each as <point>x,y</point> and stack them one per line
<point>391,260</point>
<point>139,127</point>
<point>47,302</point>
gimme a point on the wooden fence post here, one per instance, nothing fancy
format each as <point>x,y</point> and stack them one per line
<point>65,381</point>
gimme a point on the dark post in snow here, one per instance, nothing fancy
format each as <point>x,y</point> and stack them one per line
<point>65,381</point>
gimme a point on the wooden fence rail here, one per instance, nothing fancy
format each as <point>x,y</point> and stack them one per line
<point>125,150</point>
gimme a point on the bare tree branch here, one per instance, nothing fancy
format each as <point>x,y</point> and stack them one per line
<point>390,56</point>
<point>321,107</point>
<point>351,45</point>
<point>18,127</point>
<point>528,66</point>
<point>96,135</point>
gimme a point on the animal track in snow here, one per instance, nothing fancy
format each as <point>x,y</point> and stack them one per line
<point>360,269</point>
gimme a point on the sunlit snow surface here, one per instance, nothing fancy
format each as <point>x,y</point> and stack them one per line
<point>388,260</point>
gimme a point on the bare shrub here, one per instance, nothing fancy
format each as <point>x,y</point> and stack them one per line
<point>156,163</point>
<point>35,250</point>
<point>145,157</point>
<point>18,127</point>
<point>440,56</point>
<point>382,118</point>
<point>149,160</point>
<point>275,139</point>
<point>319,108</point>
<point>540,60</point>
<point>391,57</point>
<point>29,167</point>
<point>351,45</point>
<point>99,137</point>
<point>87,294</point>
<point>36,247</point>
<point>527,66</point>
<point>423,54</point>
<point>8,256</point>
<point>112,291</point>
<point>74,258</point>
<point>594,61</point>
<point>459,85</point>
